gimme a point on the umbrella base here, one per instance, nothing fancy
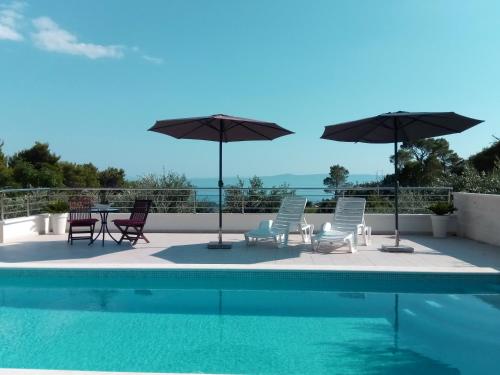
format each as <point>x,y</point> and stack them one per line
<point>397,249</point>
<point>219,245</point>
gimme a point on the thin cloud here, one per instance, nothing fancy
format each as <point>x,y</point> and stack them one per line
<point>49,36</point>
<point>10,19</point>
<point>146,57</point>
<point>152,59</point>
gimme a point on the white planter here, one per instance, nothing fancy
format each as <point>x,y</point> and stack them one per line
<point>43,223</point>
<point>440,225</point>
<point>58,223</point>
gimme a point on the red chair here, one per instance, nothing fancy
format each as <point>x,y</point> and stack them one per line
<point>80,216</point>
<point>133,227</point>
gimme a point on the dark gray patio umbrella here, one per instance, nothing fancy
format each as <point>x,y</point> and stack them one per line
<point>394,127</point>
<point>220,128</point>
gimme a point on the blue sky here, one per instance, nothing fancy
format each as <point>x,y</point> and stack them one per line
<point>90,77</point>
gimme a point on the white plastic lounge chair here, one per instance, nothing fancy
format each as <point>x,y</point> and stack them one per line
<point>348,220</point>
<point>291,213</point>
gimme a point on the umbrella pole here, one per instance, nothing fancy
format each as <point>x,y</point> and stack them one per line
<point>396,187</point>
<point>397,248</point>
<point>221,184</point>
<point>219,244</point>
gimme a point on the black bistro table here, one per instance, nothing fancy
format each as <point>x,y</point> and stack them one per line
<point>103,211</point>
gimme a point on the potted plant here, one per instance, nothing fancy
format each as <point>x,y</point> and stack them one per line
<point>441,218</point>
<point>58,211</point>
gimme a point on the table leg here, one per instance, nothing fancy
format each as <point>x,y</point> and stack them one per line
<point>104,229</point>
<point>110,235</point>
<point>104,218</point>
<point>97,235</point>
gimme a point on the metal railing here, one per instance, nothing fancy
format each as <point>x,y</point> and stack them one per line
<point>26,202</point>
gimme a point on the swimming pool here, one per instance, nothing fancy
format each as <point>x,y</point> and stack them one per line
<point>250,322</point>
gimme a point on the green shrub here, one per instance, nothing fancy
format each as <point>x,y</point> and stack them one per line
<point>442,208</point>
<point>57,207</point>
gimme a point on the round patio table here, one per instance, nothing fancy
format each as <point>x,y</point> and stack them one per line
<point>103,211</point>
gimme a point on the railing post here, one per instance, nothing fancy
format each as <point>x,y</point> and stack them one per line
<point>449,195</point>
<point>242,202</point>
<point>27,205</point>
<point>2,208</point>
<point>194,201</point>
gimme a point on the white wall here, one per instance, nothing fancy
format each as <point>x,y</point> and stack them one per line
<point>478,216</point>
<point>380,223</point>
<point>19,228</point>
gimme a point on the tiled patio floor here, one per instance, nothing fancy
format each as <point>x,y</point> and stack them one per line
<point>188,250</point>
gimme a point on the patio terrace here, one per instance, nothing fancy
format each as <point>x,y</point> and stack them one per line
<point>188,250</point>
<point>179,228</point>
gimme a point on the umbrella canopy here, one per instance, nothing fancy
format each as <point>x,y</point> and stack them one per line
<point>394,127</point>
<point>212,128</point>
<point>399,127</point>
<point>220,128</point>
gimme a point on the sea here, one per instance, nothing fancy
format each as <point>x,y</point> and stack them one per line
<point>303,184</point>
<point>292,180</point>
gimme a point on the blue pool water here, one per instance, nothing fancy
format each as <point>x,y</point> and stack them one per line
<point>249,322</point>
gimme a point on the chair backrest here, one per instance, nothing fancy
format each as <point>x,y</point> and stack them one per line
<point>80,207</point>
<point>349,213</point>
<point>291,212</point>
<point>140,210</point>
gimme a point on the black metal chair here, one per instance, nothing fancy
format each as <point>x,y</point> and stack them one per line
<point>132,228</point>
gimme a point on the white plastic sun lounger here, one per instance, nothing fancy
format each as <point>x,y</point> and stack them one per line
<point>348,220</point>
<point>291,213</point>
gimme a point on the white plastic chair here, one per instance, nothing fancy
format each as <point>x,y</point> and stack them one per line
<point>347,222</point>
<point>291,213</point>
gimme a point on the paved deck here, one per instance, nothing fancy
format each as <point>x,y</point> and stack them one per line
<point>188,250</point>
